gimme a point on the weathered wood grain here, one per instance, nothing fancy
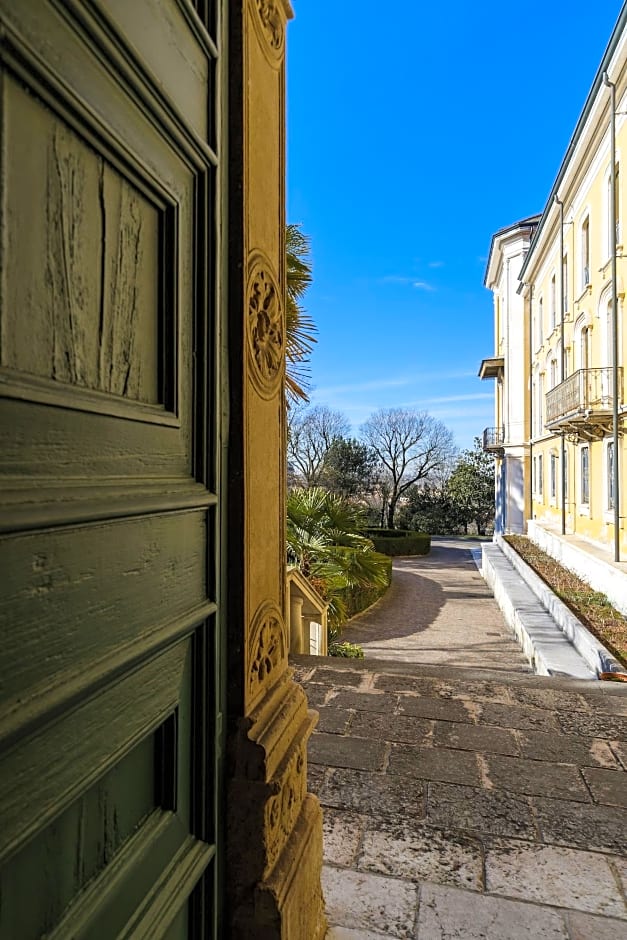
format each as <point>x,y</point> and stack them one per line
<point>73,598</point>
<point>47,772</point>
<point>89,834</point>
<point>82,286</point>
<point>108,555</point>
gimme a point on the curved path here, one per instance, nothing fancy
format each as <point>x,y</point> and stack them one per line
<point>438,610</point>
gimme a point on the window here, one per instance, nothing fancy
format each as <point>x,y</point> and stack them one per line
<point>617,202</point>
<point>565,284</point>
<point>540,481</point>
<point>585,252</point>
<point>540,323</point>
<point>584,348</point>
<point>585,475</point>
<point>610,239</point>
<point>553,476</point>
<point>553,303</point>
<point>553,372</point>
<point>541,403</point>
<point>609,465</point>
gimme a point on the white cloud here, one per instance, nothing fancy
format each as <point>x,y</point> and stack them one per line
<point>474,396</point>
<point>422,285</point>
<point>331,390</point>
<point>436,264</point>
<point>396,279</point>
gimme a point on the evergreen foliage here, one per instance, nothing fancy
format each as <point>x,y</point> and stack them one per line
<point>300,328</point>
<point>325,541</point>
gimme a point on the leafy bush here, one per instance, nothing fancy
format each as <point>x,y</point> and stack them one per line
<point>399,541</point>
<point>360,596</point>
<point>347,650</point>
<point>325,540</point>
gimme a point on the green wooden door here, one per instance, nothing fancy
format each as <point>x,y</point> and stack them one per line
<point>109,547</point>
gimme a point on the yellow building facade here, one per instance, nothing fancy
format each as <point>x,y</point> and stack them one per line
<point>558,284</point>
<point>574,301</point>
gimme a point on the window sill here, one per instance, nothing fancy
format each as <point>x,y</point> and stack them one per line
<point>586,291</point>
<point>584,509</point>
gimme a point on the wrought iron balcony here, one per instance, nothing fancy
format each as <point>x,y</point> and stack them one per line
<point>493,439</point>
<point>581,405</point>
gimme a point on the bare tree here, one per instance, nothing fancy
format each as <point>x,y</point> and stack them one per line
<point>310,434</point>
<point>410,445</point>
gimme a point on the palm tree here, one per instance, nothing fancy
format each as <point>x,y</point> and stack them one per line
<point>324,540</point>
<point>299,327</point>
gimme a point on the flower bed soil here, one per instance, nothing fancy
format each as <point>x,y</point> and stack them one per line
<point>592,608</point>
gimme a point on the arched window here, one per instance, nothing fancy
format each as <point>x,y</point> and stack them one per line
<point>585,253</point>
<point>581,343</point>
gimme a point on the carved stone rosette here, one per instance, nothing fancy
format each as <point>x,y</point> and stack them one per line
<point>267,652</point>
<point>265,327</point>
<point>271,22</point>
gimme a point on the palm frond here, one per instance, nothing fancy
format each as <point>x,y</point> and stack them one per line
<point>300,328</point>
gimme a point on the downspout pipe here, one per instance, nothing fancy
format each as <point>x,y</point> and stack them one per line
<point>559,203</point>
<point>616,474</point>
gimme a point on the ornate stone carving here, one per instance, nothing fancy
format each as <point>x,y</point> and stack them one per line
<point>272,22</point>
<point>282,809</point>
<point>265,327</point>
<point>267,650</point>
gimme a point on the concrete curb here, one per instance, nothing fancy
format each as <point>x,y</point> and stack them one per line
<point>546,647</point>
<point>597,656</point>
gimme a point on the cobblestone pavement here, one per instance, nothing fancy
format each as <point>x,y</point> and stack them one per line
<point>465,803</point>
<point>438,609</point>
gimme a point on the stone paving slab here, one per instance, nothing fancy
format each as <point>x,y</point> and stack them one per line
<point>554,875</point>
<point>450,914</point>
<point>447,837</point>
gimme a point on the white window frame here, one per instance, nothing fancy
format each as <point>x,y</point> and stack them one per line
<point>584,505</point>
<point>608,497</point>
<point>584,256</point>
<point>540,477</point>
<point>553,476</point>
<point>553,301</point>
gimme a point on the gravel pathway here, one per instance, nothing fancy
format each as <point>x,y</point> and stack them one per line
<point>438,610</point>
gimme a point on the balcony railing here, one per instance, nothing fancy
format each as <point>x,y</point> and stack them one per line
<point>493,439</point>
<point>584,399</point>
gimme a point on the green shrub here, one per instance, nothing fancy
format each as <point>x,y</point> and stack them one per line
<point>359,596</point>
<point>399,541</point>
<point>347,650</point>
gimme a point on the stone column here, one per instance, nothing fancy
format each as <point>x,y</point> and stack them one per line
<point>273,827</point>
<point>296,625</point>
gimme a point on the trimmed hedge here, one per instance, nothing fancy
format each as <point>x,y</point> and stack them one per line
<point>358,598</point>
<point>399,541</point>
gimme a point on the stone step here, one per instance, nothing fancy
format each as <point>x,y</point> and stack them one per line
<point>548,649</point>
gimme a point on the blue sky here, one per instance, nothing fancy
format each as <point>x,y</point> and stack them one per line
<point>416,129</point>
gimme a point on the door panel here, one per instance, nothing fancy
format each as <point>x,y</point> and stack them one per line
<point>109,695</point>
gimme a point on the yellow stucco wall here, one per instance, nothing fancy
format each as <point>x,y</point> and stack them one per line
<point>584,193</point>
